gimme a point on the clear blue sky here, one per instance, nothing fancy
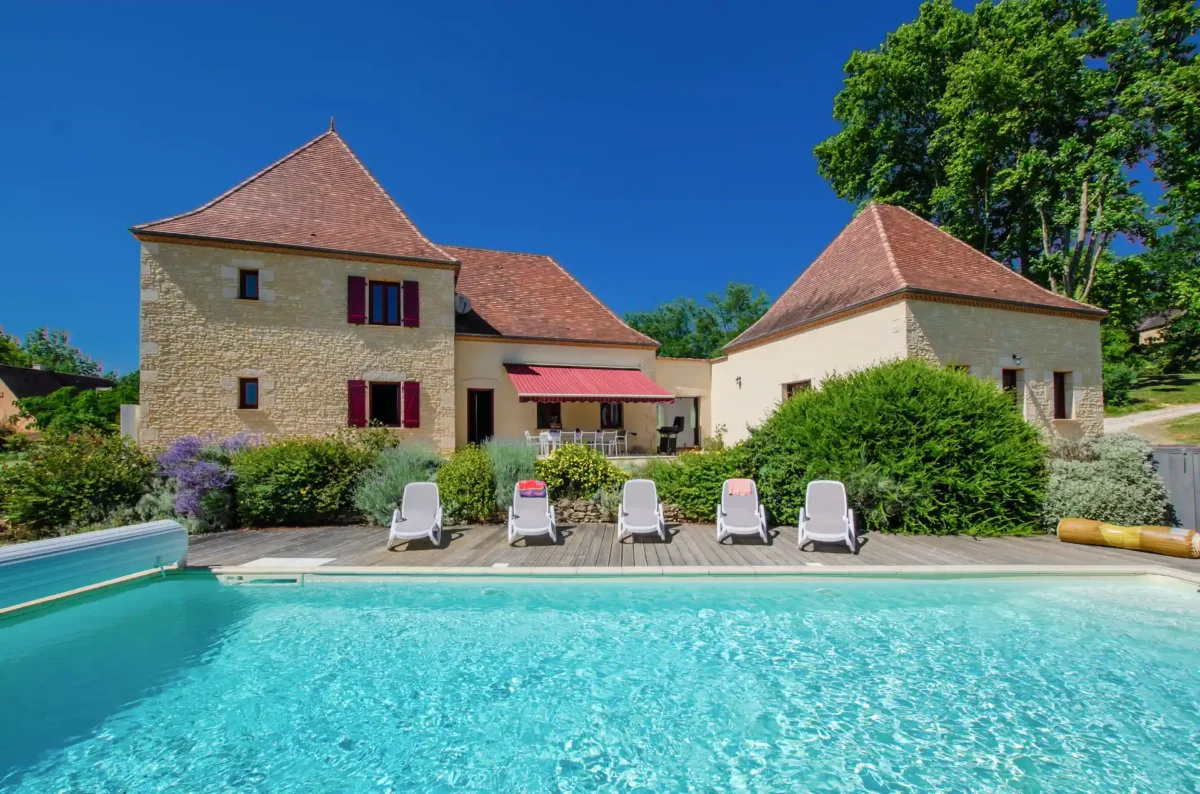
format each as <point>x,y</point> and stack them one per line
<point>655,149</point>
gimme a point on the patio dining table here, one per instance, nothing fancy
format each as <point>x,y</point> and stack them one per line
<point>588,438</point>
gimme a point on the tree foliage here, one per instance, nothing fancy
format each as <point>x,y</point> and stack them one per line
<point>689,329</point>
<point>70,410</point>
<point>53,351</point>
<point>1015,127</point>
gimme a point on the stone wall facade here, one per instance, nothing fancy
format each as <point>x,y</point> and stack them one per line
<point>989,340</point>
<point>198,339</point>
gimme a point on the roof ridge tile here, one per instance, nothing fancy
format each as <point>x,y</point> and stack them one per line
<point>887,244</point>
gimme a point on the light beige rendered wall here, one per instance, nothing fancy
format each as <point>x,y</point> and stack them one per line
<point>986,339</point>
<point>480,365</point>
<point>849,344</point>
<point>688,377</point>
<point>197,339</point>
<point>9,409</point>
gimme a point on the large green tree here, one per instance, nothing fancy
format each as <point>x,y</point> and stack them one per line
<point>53,351</point>
<point>1016,127</point>
<point>690,329</point>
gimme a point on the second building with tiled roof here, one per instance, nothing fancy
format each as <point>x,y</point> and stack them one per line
<point>894,285</point>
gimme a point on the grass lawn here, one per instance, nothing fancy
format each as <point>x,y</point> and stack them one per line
<point>1159,391</point>
<point>1185,430</point>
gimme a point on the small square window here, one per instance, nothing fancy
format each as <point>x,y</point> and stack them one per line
<point>248,285</point>
<point>385,404</point>
<point>385,303</point>
<point>247,392</point>
<point>790,390</point>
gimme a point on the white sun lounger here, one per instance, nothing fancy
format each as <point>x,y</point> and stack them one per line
<point>530,515</point>
<point>640,512</point>
<point>419,516</point>
<point>741,514</point>
<point>826,517</point>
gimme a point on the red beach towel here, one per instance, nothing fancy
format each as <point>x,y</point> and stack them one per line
<point>531,489</point>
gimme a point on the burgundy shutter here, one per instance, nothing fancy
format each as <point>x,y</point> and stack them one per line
<point>412,403</point>
<point>356,300</point>
<point>356,403</point>
<point>412,304</point>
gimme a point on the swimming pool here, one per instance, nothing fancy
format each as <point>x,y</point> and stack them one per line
<point>667,684</point>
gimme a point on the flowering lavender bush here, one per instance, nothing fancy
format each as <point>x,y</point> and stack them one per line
<point>201,471</point>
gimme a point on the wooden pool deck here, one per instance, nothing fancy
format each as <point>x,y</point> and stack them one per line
<point>595,546</point>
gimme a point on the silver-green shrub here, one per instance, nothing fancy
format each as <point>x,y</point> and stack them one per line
<point>511,463</point>
<point>1109,479</point>
<point>382,487</point>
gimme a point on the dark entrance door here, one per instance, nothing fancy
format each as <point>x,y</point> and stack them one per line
<point>480,415</point>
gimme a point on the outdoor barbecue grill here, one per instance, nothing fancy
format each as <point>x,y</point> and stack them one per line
<point>668,437</point>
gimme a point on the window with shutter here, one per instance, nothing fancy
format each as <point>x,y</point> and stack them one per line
<point>356,403</point>
<point>356,300</point>
<point>412,403</point>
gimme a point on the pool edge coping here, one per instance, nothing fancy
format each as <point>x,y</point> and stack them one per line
<point>243,574</point>
<point>246,573</point>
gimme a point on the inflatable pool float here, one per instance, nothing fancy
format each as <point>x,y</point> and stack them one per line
<point>1156,540</point>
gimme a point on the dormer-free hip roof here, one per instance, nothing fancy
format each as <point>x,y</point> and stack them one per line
<point>888,252</point>
<point>319,198</point>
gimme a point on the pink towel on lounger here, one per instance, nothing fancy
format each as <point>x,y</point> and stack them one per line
<point>531,489</point>
<point>741,487</point>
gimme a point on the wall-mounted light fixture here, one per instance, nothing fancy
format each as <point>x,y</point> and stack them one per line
<point>739,381</point>
<point>1016,359</point>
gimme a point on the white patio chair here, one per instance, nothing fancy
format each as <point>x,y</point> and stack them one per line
<point>622,443</point>
<point>531,515</point>
<point>608,442</point>
<point>419,516</point>
<point>544,443</point>
<point>740,512</point>
<point>826,517</point>
<point>533,441</point>
<point>641,512</point>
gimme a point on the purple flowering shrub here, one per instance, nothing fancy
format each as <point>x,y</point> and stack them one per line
<point>201,471</point>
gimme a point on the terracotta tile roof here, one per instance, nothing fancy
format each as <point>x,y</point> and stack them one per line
<point>318,197</point>
<point>532,296</point>
<point>888,250</point>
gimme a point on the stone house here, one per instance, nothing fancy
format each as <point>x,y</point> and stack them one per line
<point>305,299</point>
<point>894,285</point>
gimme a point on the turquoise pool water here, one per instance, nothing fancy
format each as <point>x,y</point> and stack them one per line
<point>634,685</point>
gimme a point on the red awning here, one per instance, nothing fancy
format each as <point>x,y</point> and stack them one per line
<point>542,384</point>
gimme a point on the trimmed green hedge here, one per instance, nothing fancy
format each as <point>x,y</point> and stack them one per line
<point>1107,479</point>
<point>693,481</point>
<point>574,471</point>
<point>466,487</point>
<point>922,450</point>
<point>299,481</point>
